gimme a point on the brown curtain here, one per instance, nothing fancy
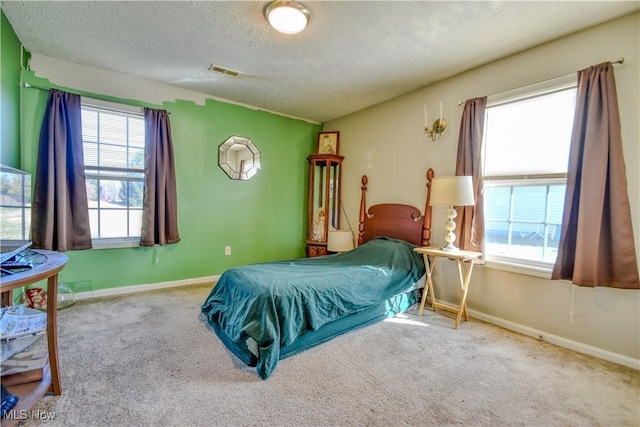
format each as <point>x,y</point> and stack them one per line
<point>596,246</point>
<point>470,219</point>
<point>160,202</point>
<point>60,212</point>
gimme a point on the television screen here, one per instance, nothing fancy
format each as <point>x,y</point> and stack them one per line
<point>15,211</point>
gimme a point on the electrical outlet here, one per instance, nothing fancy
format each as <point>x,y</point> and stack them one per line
<point>227,250</point>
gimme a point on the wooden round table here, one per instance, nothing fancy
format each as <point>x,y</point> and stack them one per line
<point>46,266</point>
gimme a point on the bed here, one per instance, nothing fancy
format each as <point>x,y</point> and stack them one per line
<point>266,312</point>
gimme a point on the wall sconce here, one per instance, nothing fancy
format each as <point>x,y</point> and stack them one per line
<point>438,127</point>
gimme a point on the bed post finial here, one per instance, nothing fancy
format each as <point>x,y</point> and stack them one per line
<point>426,228</point>
<point>363,208</point>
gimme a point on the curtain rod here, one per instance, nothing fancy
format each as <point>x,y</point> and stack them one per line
<point>617,61</point>
<point>35,87</point>
<point>95,96</point>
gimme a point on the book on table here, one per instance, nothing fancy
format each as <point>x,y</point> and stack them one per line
<point>8,401</point>
<point>24,367</point>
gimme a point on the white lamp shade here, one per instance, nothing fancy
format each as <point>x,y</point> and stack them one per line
<point>340,241</point>
<point>288,17</point>
<point>452,191</point>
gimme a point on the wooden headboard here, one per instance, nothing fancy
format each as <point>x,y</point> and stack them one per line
<point>395,220</point>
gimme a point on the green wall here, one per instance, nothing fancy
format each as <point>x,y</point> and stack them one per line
<point>262,219</point>
<point>9,95</point>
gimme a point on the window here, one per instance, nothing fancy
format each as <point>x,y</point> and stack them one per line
<point>527,139</point>
<point>113,144</point>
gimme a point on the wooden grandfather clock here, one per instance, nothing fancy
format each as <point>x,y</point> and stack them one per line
<point>325,177</point>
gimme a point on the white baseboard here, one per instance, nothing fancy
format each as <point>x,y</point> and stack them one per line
<point>141,288</point>
<point>559,341</point>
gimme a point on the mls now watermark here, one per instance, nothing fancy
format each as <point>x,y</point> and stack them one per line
<point>34,414</point>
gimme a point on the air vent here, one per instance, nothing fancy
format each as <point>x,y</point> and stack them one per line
<point>221,70</point>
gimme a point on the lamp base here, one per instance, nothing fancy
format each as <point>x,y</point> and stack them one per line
<point>449,247</point>
<point>450,226</point>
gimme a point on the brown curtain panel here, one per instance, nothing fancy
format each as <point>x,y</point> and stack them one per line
<point>60,212</point>
<point>160,201</point>
<point>470,219</point>
<point>596,246</point>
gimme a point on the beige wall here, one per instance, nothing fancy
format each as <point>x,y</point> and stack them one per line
<point>387,143</point>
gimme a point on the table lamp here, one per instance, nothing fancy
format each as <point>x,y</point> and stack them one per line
<point>451,191</point>
<point>339,241</point>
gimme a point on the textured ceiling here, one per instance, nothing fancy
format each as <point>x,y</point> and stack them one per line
<point>354,54</point>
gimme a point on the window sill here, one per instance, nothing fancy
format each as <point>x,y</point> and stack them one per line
<point>115,243</point>
<point>513,267</point>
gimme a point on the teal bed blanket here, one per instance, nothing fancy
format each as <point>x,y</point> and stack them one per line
<point>266,312</point>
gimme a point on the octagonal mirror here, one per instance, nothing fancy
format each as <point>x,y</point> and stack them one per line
<point>239,158</point>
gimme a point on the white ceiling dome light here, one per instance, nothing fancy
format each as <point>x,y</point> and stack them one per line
<point>288,17</point>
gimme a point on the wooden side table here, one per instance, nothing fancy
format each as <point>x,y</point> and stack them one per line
<point>465,261</point>
<point>30,393</point>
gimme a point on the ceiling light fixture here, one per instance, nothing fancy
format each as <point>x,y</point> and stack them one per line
<point>288,17</point>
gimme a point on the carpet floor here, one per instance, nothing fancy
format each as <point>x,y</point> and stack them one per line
<point>149,359</point>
